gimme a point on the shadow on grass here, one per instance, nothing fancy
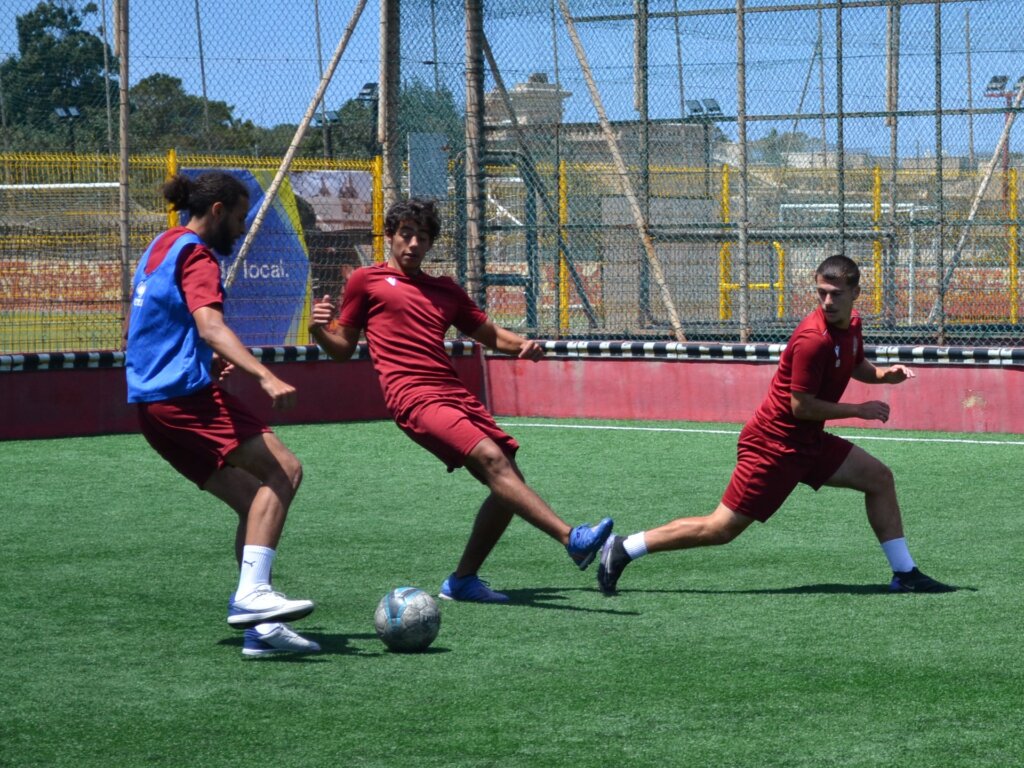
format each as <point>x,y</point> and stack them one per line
<point>805,589</point>
<point>554,599</point>
<point>331,644</point>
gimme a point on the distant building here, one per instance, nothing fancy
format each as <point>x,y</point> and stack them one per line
<point>535,102</point>
<point>538,107</point>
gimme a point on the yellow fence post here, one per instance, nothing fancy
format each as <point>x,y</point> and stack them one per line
<point>563,267</point>
<point>378,208</point>
<point>1014,255</point>
<point>780,284</point>
<point>172,168</point>
<point>876,218</point>
<point>724,260</point>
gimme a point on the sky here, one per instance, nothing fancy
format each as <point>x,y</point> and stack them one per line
<point>260,56</point>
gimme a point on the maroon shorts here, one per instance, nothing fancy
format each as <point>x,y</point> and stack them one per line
<point>195,433</point>
<point>450,428</point>
<point>767,471</point>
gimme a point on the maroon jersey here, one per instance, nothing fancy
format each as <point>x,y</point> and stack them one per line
<point>198,270</point>
<point>406,319</point>
<point>819,360</point>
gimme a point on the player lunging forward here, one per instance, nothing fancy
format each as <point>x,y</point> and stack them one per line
<point>175,329</point>
<point>406,314</point>
<point>785,443</point>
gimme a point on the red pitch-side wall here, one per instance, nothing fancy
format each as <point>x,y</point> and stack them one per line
<point>967,398</point>
<point>69,403</point>
<point>941,398</point>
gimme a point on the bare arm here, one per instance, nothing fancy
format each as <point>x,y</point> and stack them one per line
<point>340,346</point>
<point>215,332</point>
<point>503,340</point>
<point>808,407</point>
<point>867,373</point>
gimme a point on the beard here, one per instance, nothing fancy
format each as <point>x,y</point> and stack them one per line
<point>222,240</point>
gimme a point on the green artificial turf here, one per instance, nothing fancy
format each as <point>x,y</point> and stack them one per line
<point>780,649</point>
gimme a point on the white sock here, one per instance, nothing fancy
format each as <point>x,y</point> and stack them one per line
<point>898,554</point>
<point>255,570</point>
<point>635,545</point>
<point>266,627</point>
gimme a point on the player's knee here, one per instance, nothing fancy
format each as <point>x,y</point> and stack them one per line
<point>294,473</point>
<point>880,479</point>
<point>287,477</point>
<point>491,462</point>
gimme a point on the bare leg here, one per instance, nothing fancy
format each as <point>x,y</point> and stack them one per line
<point>720,527</point>
<point>863,472</point>
<point>278,474</point>
<point>491,466</point>
<point>510,495</point>
<point>491,522</point>
<point>236,488</point>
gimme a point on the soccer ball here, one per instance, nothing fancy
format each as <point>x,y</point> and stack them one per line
<point>407,620</point>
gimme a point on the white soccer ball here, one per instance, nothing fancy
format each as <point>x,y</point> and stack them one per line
<point>407,619</point>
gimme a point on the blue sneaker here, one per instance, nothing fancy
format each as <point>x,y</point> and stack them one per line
<point>585,541</point>
<point>279,639</point>
<point>469,589</point>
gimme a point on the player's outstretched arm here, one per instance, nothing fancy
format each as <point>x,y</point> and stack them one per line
<point>508,342</point>
<point>215,332</point>
<point>867,373</point>
<point>341,345</point>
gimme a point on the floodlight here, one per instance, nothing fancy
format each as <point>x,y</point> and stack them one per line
<point>73,112</point>
<point>60,112</point>
<point>694,107</point>
<point>368,92</point>
<point>996,85</point>
<point>712,107</point>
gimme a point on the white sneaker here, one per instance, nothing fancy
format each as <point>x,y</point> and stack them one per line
<point>264,604</point>
<point>280,639</point>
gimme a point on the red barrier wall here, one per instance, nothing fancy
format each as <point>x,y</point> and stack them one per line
<point>943,398</point>
<point>956,398</point>
<point>66,403</point>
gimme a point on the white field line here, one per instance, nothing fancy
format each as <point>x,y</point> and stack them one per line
<point>735,433</point>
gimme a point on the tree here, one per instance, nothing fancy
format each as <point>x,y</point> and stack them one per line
<point>421,109</point>
<point>164,116</point>
<point>59,65</point>
<point>424,110</point>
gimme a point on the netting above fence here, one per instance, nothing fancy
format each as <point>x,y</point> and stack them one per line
<point>642,175</point>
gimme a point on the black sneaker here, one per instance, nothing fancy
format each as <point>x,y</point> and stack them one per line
<point>614,559</point>
<point>915,581</point>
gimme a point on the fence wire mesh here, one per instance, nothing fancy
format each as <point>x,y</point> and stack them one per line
<point>654,169</point>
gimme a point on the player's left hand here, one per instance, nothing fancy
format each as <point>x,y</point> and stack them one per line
<point>896,374</point>
<point>222,368</point>
<point>531,350</point>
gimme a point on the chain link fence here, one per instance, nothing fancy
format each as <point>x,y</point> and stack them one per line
<point>668,169</point>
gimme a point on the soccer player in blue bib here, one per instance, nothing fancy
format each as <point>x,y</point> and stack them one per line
<point>178,348</point>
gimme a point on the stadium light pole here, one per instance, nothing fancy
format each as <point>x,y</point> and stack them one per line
<point>996,89</point>
<point>370,94</point>
<point>69,114</point>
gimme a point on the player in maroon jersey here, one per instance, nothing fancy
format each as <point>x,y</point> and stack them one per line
<point>785,443</point>
<point>406,314</point>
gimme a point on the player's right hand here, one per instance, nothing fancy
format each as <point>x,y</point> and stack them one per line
<point>321,313</point>
<point>281,393</point>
